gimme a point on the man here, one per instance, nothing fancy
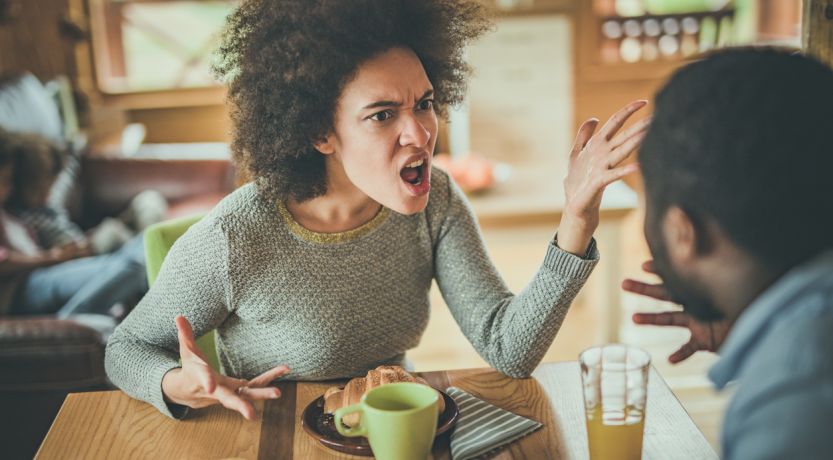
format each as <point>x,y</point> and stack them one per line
<point>738,170</point>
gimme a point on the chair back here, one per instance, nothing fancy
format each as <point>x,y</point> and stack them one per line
<point>159,238</point>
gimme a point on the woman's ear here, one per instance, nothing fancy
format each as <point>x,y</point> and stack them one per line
<point>325,145</point>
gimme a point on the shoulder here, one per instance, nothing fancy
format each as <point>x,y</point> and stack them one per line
<point>440,183</point>
<point>793,357</point>
<point>243,200</point>
<point>240,213</point>
<point>446,197</point>
<point>802,336</point>
<point>241,208</point>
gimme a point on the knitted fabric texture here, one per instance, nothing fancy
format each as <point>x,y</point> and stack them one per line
<point>336,309</point>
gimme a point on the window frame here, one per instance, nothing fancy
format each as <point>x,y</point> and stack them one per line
<point>108,62</point>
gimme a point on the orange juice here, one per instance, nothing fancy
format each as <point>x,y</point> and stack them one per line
<point>614,442</point>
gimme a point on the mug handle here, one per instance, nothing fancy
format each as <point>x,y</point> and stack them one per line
<point>360,430</point>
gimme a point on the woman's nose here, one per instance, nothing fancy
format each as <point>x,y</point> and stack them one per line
<point>414,133</point>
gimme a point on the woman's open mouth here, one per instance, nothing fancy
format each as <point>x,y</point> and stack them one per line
<point>416,177</point>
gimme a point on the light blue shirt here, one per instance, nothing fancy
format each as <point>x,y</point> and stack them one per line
<point>780,354</point>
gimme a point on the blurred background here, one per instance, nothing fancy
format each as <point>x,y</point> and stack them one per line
<point>127,84</point>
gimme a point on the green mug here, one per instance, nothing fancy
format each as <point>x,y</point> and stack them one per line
<point>399,420</point>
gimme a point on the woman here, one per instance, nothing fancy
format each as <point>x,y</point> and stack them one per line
<point>324,263</point>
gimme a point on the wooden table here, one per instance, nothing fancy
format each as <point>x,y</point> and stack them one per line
<point>111,425</point>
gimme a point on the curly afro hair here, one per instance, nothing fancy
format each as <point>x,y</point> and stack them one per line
<point>287,61</point>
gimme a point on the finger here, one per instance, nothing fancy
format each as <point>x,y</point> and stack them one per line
<point>267,377</point>
<point>666,318</point>
<point>188,348</point>
<point>184,334</point>
<point>619,118</point>
<point>622,152</point>
<point>637,128</point>
<point>683,353</point>
<point>585,133</point>
<point>648,266</point>
<point>255,394</point>
<point>231,400</point>
<point>615,174</point>
<point>656,291</point>
<point>231,382</point>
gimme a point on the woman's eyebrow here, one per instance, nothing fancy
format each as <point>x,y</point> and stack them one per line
<point>377,104</point>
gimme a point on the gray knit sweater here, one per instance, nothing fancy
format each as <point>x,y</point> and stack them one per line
<point>335,305</point>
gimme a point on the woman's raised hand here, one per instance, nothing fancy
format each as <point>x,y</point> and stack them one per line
<point>705,336</point>
<point>197,385</point>
<point>596,162</point>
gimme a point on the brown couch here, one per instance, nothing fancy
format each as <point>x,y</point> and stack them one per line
<point>42,359</point>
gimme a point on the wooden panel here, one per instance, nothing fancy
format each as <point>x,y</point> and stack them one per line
<point>30,39</point>
<point>818,29</point>
<point>520,95</point>
<point>104,425</point>
<point>184,124</point>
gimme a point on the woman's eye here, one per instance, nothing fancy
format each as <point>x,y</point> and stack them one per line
<point>427,104</point>
<point>381,116</point>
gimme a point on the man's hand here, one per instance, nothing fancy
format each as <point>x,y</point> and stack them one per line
<point>705,336</point>
<point>197,385</point>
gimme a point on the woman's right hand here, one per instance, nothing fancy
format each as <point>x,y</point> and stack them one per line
<point>197,385</point>
<point>705,336</point>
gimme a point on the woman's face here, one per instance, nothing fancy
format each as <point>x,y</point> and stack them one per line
<point>385,131</point>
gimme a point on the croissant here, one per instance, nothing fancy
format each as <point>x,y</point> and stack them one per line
<point>336,398</point>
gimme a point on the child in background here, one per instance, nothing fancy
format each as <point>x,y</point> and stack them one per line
<point>62,280</point>
<point>40,206</point>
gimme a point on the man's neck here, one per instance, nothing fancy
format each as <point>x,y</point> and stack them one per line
<point>738,281</point>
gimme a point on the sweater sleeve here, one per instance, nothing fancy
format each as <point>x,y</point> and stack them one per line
<point>511,332</point>
<point>192,282</point>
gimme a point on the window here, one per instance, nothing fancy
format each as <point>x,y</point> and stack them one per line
<point>152,45</point>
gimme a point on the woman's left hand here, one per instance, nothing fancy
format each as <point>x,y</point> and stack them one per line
<point>596,162</point>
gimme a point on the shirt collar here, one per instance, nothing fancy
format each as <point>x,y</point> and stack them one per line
<point>762,313</point>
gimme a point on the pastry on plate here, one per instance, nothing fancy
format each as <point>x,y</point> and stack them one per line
<point>336,397</point>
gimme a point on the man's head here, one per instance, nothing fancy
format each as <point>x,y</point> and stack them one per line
<point>738,161</point>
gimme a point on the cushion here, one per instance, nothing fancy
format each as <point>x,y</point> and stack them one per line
<point>26,106</point>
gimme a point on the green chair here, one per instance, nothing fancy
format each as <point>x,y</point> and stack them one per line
<point>158,241</point>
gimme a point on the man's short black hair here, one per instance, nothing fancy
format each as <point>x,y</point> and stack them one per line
<point>744,138</point>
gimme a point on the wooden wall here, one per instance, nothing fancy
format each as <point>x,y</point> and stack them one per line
<point>46,37</point>
<point>817,36</point>
<point>31,38</point>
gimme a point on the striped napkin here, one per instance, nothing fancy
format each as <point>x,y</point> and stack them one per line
<point>483,427</point>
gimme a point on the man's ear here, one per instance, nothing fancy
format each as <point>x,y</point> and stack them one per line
<point>681,236</point>
<point>325,145</point>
